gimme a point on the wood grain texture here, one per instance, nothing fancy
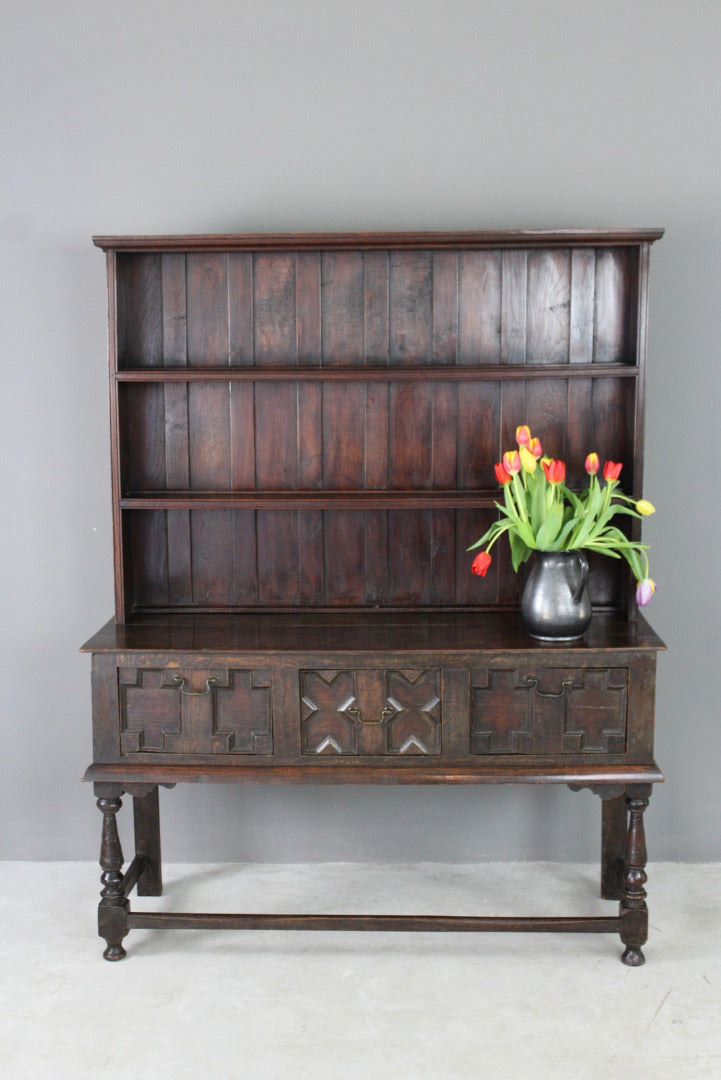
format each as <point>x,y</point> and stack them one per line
<point>274,310</point>
<point>411,308</point>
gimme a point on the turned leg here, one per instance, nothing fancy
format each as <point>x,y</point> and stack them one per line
<point>633,910</point>
<point>613,846</point>
<point>146,816</point>
<point>113,906</point>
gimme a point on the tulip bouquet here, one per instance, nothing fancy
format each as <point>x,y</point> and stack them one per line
<point>539,513</point>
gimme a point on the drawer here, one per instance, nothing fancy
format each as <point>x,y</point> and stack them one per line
<point>549,710</point>
<point>368,712</point>
<point>198,711</point>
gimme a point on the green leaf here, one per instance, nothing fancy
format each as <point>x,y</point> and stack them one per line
<point>488,537</point>
<point>537,504</point>
<point>519,551</point>
<point>566,532</point>
<point>574,500</point>
<point>526,534</point>
<point>603,550</point>
<point>593,508</point>
<point>549,530</point>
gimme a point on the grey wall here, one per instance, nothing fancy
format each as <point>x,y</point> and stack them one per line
<point>178,116</point>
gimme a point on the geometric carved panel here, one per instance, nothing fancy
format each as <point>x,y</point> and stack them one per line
<point>370,712</point>
<point>242,721</point>
<point>414,726</point>
<point>150,710</point>
<point>501,713</point>
<point>595,715</point>
<point>549,711</point>
<point>168,713</point>
<point>325,698</point>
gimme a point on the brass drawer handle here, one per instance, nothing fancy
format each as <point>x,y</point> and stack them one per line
<point>209,683</point>
<point>567,684</point>
<point>355,713</point>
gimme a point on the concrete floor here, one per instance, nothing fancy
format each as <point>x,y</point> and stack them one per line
<point>226,1005</point>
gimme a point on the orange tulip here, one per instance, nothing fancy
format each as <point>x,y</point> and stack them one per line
<point>555,471</point>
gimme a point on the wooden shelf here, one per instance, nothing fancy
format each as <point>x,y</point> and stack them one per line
<point>375,373</point>
<point>310,500</point>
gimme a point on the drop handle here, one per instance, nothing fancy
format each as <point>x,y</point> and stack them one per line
<point>567,684</point>
<point>210,685</point>
<point>354,712</point>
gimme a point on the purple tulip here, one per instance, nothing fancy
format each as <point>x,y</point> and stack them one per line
<point>645,591</point>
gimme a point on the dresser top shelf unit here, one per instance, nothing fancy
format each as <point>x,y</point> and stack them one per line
<point>311,420</point>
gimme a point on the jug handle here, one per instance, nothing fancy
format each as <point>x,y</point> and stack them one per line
<point>583,564</point>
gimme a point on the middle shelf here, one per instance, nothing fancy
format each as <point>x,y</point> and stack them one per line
<point>309,500</point>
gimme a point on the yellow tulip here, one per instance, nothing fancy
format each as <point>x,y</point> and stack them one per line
<point>645,507</point>
<point>529,463</point>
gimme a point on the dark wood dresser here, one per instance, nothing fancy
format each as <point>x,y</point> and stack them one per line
<point>304,430</point>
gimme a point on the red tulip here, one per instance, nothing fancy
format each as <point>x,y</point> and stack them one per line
<point>592,464</point>
<point>481,563</point>
<point>555,471</point>
<point>612,470</point>
<point>502,474</point>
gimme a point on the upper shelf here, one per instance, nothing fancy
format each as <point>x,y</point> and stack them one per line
<point>496,306</point>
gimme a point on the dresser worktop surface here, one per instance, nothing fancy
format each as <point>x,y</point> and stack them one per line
<point>355,632</point>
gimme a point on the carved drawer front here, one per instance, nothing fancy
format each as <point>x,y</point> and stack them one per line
<point>549,711</point>
<point>195,712</point>
<point>370,712</point>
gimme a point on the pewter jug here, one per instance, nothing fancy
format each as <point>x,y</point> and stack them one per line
<point>555,604</point>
